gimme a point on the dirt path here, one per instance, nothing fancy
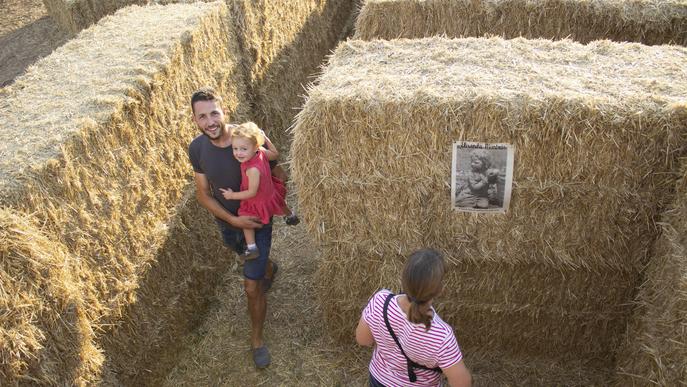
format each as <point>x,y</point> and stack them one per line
<point>217,353</point>
<point>26,35</point>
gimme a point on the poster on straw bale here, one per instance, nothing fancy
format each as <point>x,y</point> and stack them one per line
<point>481,176</point>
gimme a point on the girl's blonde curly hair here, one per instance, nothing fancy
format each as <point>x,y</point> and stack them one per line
<point>250,131</point>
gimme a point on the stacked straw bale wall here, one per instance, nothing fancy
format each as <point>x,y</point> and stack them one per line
<point>649,22</point>
<point>284,43</point>
<point>44,321</point>
<point>93,143</point>
<point>552,277</point>
<point>74,15</point>
<point>656,344</point>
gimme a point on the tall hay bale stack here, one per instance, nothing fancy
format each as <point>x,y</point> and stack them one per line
<point>649,22</point>
<point>74,15</point>
<point>656,344</point>
<point>552,277</point>
<point>285,42</point>
<point>93,144</point>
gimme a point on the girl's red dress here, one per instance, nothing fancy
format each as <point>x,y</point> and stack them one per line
<point>270,199</point>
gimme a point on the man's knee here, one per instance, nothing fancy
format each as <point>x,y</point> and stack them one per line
<point>252,288</point>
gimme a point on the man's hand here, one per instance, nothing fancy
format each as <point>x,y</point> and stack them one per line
<point>245,222</point>
<point>227,193</point>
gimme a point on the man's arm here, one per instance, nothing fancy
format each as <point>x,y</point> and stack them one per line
<point>205,198</point>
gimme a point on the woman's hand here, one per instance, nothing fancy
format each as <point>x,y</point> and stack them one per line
<point>227,193</point>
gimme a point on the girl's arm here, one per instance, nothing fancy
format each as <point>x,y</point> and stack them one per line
<point>205,198</point>
<point>270,150</point>
<point>253,176</point>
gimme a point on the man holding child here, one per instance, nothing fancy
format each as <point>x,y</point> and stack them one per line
<point>216,170</point>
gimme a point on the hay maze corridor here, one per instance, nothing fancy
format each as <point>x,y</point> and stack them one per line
<point>106,279</point>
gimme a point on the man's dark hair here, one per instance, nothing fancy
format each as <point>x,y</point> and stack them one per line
<point>204,94</point>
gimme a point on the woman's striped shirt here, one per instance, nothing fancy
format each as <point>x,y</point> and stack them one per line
<point>436,347</point>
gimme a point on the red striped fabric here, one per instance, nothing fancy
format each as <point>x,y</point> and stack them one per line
<point>434,348</point>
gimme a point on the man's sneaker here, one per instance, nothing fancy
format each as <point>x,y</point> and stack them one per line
<point>261,357</point>
<point>267,282</point>
<point>292,220</point>
<point>250,254</point>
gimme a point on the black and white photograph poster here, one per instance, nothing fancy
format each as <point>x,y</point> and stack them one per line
<point>481,176</point>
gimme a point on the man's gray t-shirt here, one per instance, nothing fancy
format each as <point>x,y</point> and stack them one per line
<point>219,166</point>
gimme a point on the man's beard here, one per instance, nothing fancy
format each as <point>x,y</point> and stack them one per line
<point>220,131</point>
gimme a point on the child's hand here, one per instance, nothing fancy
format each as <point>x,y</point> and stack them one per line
<point>477,181</point>
<point>227,193</point>
<point>493,175</point>
<point>267,139</point>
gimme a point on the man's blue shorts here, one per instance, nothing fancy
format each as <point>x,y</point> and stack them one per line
<point>253,269</point>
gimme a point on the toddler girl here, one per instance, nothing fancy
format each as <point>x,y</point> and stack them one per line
<point>262,195</point>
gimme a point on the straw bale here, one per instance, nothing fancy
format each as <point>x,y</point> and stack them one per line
<point>648,21</point>
<point>74,15</point>
<point>44,327</point>
<point>93,142</point>
<point>284,43</point>
<point>656,343</point>
<point>192,247</point>
<point>594,154</point>
<point>497,369</point>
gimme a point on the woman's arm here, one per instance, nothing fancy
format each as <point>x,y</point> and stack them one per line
<point>363,334</point>
<point>253,176</point>
<point>458,375</point>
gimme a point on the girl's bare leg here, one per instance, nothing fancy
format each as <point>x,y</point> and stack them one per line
<point>249,235</point>
<point>251,248</point>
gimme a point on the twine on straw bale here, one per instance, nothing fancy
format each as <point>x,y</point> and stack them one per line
<point>650,22</point>
<point>93,143</point>
<point>597,131</point>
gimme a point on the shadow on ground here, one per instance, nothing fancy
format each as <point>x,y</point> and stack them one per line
<point>24,46</point>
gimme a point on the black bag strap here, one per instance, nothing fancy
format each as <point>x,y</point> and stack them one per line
<point>411,364</point>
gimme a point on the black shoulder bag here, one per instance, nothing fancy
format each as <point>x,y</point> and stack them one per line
<point>411,364</point>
